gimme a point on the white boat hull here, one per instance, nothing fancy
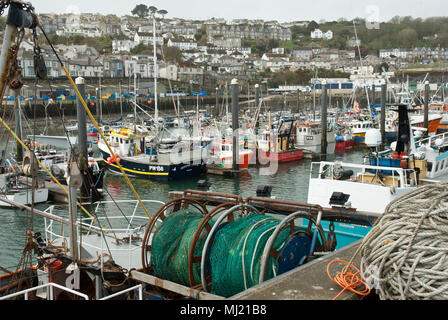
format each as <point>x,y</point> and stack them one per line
<point>25,197</point>
<point>363,196</point>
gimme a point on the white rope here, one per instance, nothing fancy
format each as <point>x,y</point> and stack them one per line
<point>405,255</point>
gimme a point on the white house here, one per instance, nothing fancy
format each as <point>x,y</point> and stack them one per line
<point>90,32</point>
<point>319,34</point>
<point>123,45</point>
<point>168,71</point>
<point>278,50</point>
<point>147,38</point>
<point>85,68</point>
<point>182,45</point>
<point>142,66</point>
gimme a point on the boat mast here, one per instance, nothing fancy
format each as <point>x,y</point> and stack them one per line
<point>135,102</point>
<point>227,104</point>
<point>156,111</point>
<point>360,61</point>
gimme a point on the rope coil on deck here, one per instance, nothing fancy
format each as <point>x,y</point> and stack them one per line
<point>405,256</point>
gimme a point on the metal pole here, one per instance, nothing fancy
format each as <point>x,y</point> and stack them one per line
<point>298,100</point>
<point>10,34</point>
<point>101,103</point>
<point>97,105</point>
<point>235,124</point>
<point>443,92</point>
<point>227,104</point>
<point>156,110</point>
<point>217,101</point>
<point>383,114</point>
<point>121,102</point>
<point>74,183</point>
<point>323,146</point>
<point>373,95</point>
<point>82,137</point>
<point>18,124</point>
<point>257,104</point>
<point>135,103</point>
<point>81,117</point>
<point>426,115</point>
<point>257,95</point>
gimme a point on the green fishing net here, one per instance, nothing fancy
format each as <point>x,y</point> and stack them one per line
<point>234,254</point>
<point>245,237</point>
<point>171,246</point>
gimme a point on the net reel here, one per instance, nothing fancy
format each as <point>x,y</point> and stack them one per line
<point>165,211</point>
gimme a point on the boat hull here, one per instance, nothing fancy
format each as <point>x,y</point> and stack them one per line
<point>281,157</point>
<point>244,161</point>
<point>153,171</point>
<point>25,197</point>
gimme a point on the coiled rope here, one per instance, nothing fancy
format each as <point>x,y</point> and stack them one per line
<point>405,255</point>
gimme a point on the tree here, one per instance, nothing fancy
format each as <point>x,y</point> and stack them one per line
<point>172,54</point>
<point>141,10</point>
<point>141,49</point>
<point>313,25</point>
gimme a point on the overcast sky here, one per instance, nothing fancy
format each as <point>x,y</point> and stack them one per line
<point>281,10</point>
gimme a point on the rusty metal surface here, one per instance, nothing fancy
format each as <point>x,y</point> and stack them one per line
<point>282,207</point>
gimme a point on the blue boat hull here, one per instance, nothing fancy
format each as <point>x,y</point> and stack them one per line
<point>345,233</point>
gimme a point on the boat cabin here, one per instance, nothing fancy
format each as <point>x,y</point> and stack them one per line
<point>126,143</point>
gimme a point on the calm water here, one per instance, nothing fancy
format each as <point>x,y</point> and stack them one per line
<point>290,182</point>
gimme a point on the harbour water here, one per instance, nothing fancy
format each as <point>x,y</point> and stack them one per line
<point>289,182</point>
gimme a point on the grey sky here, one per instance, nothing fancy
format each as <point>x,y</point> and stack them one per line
<point>281,10</point>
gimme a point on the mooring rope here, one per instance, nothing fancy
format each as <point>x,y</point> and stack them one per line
<point>405,256</point>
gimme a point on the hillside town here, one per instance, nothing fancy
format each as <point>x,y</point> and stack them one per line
<point>210,52</point>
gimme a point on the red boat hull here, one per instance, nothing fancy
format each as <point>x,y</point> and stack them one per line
<point>344,144</point>
<point>286,156</point>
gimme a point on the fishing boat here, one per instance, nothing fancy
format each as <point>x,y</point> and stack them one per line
<point>360,127</point>
<point>309,135</point>
<point>278,145</point>
<point>440,107</point>
<point>221,154</point>
<point>386,175</point>
<point>344,139</point>
<point>170,161</point>
<point>12,189</point>
<point>92,267</point>
<point>418,120</point>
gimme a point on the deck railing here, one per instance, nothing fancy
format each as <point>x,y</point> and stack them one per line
<point>51,286</point>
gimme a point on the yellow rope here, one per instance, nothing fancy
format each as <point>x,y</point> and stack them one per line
<point>104,139</point>
<point>43,167</point>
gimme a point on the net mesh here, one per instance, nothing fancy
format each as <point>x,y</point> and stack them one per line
<point>171,246</point>
<point>234,258</point>
<point>242,239</point>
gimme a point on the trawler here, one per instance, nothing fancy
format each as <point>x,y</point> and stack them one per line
<point>308,136</point>
<point>385,175</point>
<point>278,145</point>
<point>162,161</point>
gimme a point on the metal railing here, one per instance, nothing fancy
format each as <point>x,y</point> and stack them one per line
<point>97,225</point>
<point>51,286</point>
<point>432,140</point>
<point>140,293</point>
<point>405,177</point>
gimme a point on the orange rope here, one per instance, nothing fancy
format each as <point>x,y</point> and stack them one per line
<point>350,280</point>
